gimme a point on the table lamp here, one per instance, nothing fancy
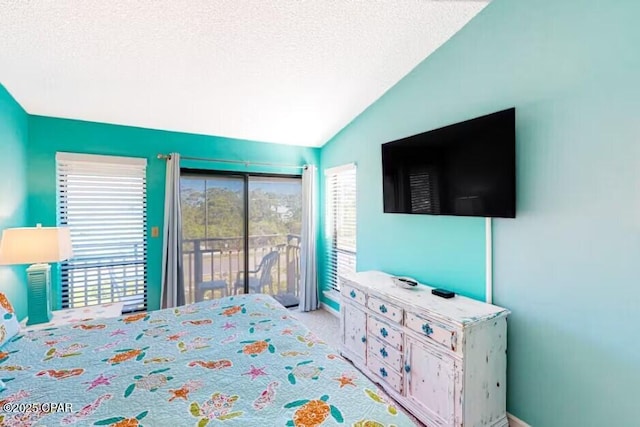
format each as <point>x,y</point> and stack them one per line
<point>37,246</point>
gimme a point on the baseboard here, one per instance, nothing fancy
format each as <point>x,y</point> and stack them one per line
<point>516,422</point>
<point>329,309</point>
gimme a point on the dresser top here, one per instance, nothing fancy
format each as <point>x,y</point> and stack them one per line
<point>459,308</point>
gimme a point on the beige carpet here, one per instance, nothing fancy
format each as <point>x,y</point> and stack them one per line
<point>327,326</point>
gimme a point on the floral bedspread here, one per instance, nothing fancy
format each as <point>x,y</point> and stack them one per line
<point>242,360</point>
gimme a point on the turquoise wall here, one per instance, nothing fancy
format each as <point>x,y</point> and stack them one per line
<point>13,191</point>
<point>49,135</point>
<point>567,266</point>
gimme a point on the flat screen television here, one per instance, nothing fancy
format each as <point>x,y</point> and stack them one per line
<point>466,169</point>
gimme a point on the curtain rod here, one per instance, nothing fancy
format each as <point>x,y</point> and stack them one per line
<point>242,162</point>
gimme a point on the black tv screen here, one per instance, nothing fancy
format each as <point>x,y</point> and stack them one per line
<point>467,169</point>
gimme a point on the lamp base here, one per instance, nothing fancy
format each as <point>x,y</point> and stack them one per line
<point>38,290</point>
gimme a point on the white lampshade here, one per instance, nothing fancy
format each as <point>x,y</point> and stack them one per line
<point>30,245</point>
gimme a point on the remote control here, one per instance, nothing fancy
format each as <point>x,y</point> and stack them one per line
<point>443,293</point>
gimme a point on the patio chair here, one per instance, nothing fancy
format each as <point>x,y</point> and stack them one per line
<point>119,293</point>
<point>261,276</point>
<point>211,285</point>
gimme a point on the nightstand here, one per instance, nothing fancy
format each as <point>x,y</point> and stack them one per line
<point>73,315</point>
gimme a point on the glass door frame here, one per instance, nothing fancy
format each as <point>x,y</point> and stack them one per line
<point>245,176</point>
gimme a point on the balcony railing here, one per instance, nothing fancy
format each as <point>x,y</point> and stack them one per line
<point>96,278</point>
<point>222,260</point>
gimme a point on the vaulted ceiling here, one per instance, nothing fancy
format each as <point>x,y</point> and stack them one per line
<point>284,71</point>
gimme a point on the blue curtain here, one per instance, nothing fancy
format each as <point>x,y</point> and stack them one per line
<point>308,270</point>
<point>172,293</point>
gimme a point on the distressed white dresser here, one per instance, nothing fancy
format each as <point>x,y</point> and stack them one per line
<point>442,359</point>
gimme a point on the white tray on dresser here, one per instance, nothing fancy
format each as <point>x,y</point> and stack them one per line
<point>442,359</point>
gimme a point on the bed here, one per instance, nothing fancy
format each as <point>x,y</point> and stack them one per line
<point>242,360</point>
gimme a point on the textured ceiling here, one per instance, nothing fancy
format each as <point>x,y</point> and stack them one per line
<point>285,71</point>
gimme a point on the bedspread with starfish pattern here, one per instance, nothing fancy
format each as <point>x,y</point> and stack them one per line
<point>243,360</point>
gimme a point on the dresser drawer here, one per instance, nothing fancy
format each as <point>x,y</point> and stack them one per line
<point>386,373</point>
<point>385,309</point>
<point>436,332</point>
<point>386,353</point>
<point>353,294</point>
<point>385,332</point>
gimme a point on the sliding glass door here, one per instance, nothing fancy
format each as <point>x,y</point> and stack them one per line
<point>213,234</point>
<point>275,214</point>
<point>241,234</point>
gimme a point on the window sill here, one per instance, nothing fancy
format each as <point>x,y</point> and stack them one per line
<point>332,295</point>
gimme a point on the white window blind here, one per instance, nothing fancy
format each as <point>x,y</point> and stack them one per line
<point>340,217</point>
<point>103,200</point>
